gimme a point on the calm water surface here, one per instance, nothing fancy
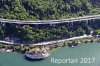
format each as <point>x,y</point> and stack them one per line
<point>82,51</point>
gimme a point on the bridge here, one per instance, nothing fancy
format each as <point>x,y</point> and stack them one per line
<point>84,18</point>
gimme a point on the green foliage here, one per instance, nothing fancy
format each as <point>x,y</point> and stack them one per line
<point>97,31</point>
<point>47,9</point>
<point>27,33</point>
<point>44,10</point>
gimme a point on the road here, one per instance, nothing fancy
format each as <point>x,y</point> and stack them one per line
<point>84,18</point>
<point>47,42</point>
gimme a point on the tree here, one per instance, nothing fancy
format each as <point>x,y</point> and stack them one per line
<point>25,33</point>
<point>80,31</point>
<point>47,9</point>
<point>1,32</point>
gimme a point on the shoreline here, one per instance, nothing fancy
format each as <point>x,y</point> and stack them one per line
<point>47,42</point>
<point>71,42</point>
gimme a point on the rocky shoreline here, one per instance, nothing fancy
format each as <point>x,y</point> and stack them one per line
<point>71,42</point>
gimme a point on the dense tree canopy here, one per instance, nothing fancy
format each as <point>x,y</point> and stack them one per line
<point>27,33</point>
<point>47,9</point>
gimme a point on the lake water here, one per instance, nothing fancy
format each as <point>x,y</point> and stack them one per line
<point>85,51</point>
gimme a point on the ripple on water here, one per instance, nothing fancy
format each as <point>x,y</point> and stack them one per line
<point>85,50</point>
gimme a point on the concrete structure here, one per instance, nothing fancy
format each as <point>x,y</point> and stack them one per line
<point>85,18</point>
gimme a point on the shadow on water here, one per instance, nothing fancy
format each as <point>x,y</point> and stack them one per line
<point>29,59</point>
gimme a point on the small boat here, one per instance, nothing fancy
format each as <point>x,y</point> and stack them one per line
<point>72,46</point>
<point>36,55</point>
<point>8,50</point>
<point>79,42</point>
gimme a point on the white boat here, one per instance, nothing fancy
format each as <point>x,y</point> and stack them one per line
<point>36,54</point>
<point>8,50</point>
<point>72,46</point>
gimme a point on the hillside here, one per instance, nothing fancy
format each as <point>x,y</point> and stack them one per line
<point>47,9</point>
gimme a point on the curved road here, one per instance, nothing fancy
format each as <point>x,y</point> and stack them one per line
<point>85,18</point>
<point>47,42</point>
